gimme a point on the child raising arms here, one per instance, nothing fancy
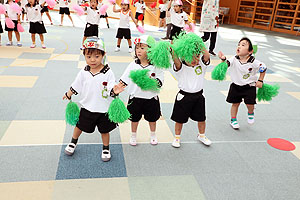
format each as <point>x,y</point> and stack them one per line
<point>124,26</point>
<point>243,69</point>
<point>142,102</point>
<point>95,84</point>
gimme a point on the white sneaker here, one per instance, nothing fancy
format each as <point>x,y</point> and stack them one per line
<point>153,140</point>
<point>204,140</point>
<point>70,148</point>
<point>44,46</point>
<point>105,156</point>
<point>250,119</point>
<point>130,50</point>
<point>9,43</point>
<point>117,49</point>
<point>132,141</point>
<point>176,143</point>
<point>235,125</point>
<point>19,44</point>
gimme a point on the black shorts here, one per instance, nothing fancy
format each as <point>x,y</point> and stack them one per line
<point>189,105</point>
<point>91,30</point>
<point>45,9</point>
<point>137,15</point>
<point>175,31</point>
<point>37,27</point>
<point>162,15</point>
<point>1,29</point>
<point>89,120</point>
<point>123,32</point>
<point>104,16</point>
<point>24,11</point>
<point>150,108</point>
<point>237,93</point>
<point>65,10</point>
<point>12,29</point>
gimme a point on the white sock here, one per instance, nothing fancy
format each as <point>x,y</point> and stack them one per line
<point>177,137</point>
<point>202,135</point>
<point>133,134</point>
<point>152,133</point>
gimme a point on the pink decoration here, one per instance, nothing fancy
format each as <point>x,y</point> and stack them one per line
<point>20,28</point>
<point>141,29</point>
<point>78,9</point>
<point>112,1</point>
<point>103,9</point>
<point>2,9</point>
<point>9,23</point>
<point>15,7</point>
<point>187,27</point>
<point>51,3</point>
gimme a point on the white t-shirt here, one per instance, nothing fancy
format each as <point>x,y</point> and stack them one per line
<point>178,19</point>
<point>134,90</point>
<point>13,15</point>
<point>244,73</point>
<point>124,19</point>
<point>23,3</point>
<point>140,7</point>
<point>191,79</point>
<point>94,90</point>
<point>63,3</point>
<point>34,13</point>
<point>93,16</point>
<point>163,7</point>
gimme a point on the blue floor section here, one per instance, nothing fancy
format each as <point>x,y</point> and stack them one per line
<point>86,163</point>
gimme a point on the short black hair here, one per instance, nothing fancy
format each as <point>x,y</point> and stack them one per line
<point>92,50</point>
<point>249,42</point>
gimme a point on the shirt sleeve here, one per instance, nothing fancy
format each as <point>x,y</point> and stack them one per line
<point>230,61</point>
<point>260,66</point>
<point>77,85</point>
<point>185,17</point>
<point>159,77</point>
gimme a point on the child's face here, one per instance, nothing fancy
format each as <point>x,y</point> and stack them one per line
<point>176,8</point>
<point>94,59</point>
<point>243,48</point>
<point>141,51</point>
<point>31,2</point>
<point>124,7</point>
<point>94,3</point>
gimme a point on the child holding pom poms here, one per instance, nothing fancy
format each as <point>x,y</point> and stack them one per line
<point>243,69</point>
<point>96,85</point>
<point>190,66</point>
<point>140,11</point>
<point>12,15</point>
<point>144,81</point>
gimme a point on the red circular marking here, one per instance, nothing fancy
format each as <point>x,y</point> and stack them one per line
<point>281,144</point>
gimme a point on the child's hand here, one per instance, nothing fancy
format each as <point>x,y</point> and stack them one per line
<point>120,87</point>
<point>67,96</point>
<point>221,55</point>
<point>259,84</point>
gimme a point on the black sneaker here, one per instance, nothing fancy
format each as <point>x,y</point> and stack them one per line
<point>212,53</point>
<point>107,25</point>
<point>165,38</point>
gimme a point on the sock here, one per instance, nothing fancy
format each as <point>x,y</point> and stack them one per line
<point>152,133</point>
<point>177,137</point>
<point>202,135</point>
<point>133,134</point>
<point>130,47</point>
<point>107,25</point>
<point>118,46</point>
<point>74,140</point>
<point>105,147</point>
<point>251,113</point>
<point>233,119</point>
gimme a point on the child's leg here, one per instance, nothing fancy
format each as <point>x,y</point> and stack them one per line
<point>250,113</point>
<point>234,109</point>
<point>49,17</point>
<point>33,38</point>
<point>105,139</point>
<point>71,19</point>
<point>201,136</point>
<point>106,18</point>
<point>250,108</point>
<point>152,126</point>
<point>76,133</point>
<point>9,33</point>
<point>70,148</point>
<point>201,127</point>
<point>61,19</point>
<point>142,22</point>
<point>134,126</point>
<point>129,43</point>
<point>18,38</point>
<point>153,138</point>
<point>119,42</point>
<point>105,152</point>
<point>160,23</point>
<point>164,22</point>
<point>178,128</point>
<point>41,38</point>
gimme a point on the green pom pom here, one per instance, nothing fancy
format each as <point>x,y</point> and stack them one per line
<point>186,46</point>
<point>159,55</point>
<point>151,41</point>
<point>117,111</point>
<point>219,72</point>
<point>142,79</point>
<point>267,92</point>
<point>72,113</point>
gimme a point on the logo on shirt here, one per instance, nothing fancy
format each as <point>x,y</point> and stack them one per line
<point>104,91</point>
<point>246,76</point>
<point>198,70</point>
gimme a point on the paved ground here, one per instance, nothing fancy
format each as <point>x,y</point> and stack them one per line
<point>238,165</point>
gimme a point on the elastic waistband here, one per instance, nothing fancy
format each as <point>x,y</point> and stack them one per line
<point>187,93</point>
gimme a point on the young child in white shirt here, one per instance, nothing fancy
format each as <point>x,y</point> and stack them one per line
<point>140,10</point>
<point>15,17</point>
<point>64,9</point>
<point>243,70</point>
<point>96,85</point>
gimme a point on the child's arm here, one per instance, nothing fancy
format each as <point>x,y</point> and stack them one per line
<point>206,57</point>
<point>260,81</point>
<point>177,62</point>
<point>68,95</point>
<point>116,10</point>
<point>169,5</point>
<point>188,23</point>
<point>135,21</point>
<point>43,4</point>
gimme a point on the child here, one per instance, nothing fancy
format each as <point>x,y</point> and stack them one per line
<point>162,14</point>
<point>243,68</point>
<point>23,3</point>
<point>140,10</point>
<point>190,101</point>
<point>45,9</point>
<point>142,102</point>
<point>92,20</point>
<point>178,18</point>
<point>36,24</point>
<point>105,15</point>
<point>15,17</point>
<point>169,25</point>
<point>95,83</point>
<point>124,26</point>
<point>64,9</point>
